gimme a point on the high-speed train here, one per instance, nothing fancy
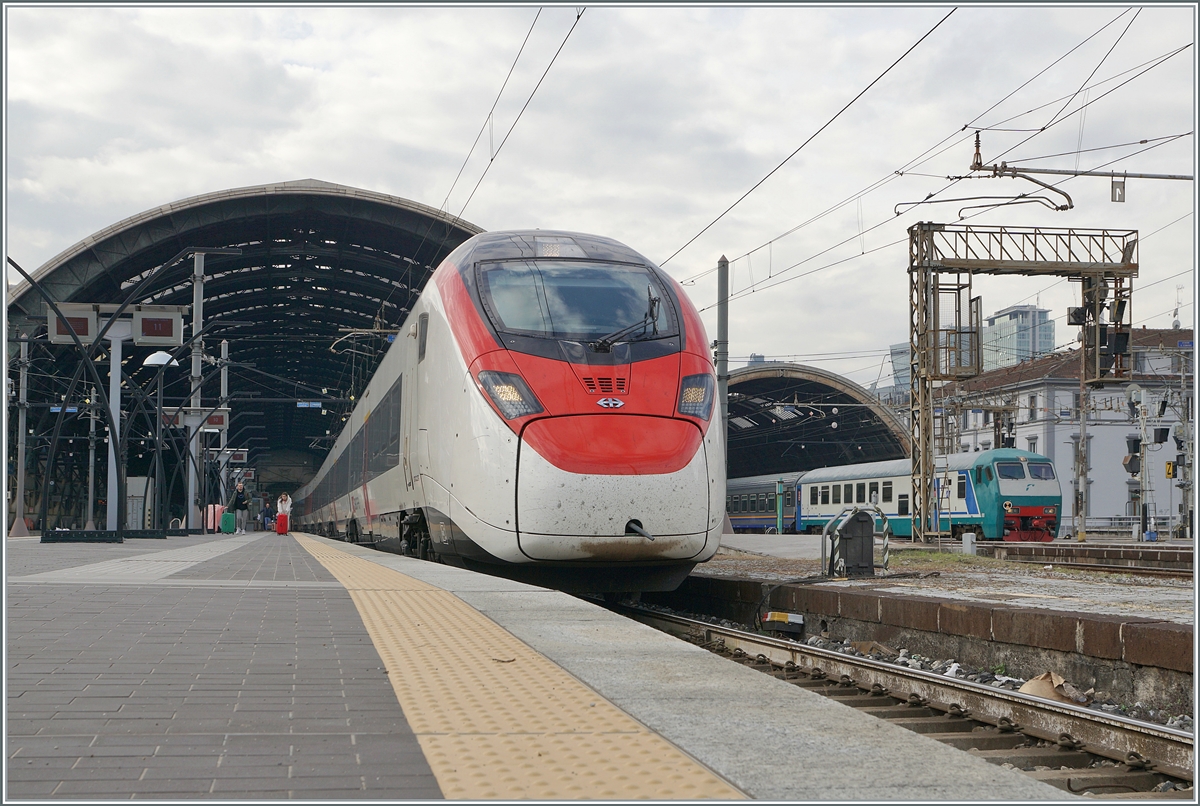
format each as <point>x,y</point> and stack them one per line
<point>1000,494</point>
<point>546,414</point>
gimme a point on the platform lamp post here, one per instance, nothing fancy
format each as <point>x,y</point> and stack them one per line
<point>194,438</point>
<point>158,359</point>
<point>18,528</point>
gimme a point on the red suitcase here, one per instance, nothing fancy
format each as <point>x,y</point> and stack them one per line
<point>281,524</point>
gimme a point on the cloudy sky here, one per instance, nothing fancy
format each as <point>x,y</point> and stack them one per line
<point>648,125</point>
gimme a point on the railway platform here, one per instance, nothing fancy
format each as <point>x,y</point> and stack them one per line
<point>294,667</point>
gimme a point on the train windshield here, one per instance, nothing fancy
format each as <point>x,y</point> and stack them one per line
<point>1010,470</point>
<point>1041,470</point>
<point>574,300</point>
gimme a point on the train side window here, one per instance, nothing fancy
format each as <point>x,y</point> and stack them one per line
<point>745,506</point>
<point>902,505</point>
<point>873,491</point>
<point>422,336</point>
<point>814,495</point>
<point>860,493</point>
<point>770,502</point>
<point>825,494</point>
<point>837,493</point>
<point>762,502</point>
<point>727,504</point>
<point>787,499</point>
<point>962,486</point>
<point>887,492</point>
<point>848,495</point>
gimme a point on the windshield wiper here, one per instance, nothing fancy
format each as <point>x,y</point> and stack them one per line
<point>604,344</point>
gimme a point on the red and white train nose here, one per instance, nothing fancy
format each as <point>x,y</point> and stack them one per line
<point>608,474</point>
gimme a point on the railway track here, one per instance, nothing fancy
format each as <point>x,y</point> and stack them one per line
<point>1075,749</point>
<point>1171,573</point>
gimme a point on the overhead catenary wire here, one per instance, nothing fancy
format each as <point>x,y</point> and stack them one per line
<point>1100,64</point>
<point>1043,71</point>
<point>811,137</point>
<point>488,118</point>
<point>762,285</point>
<point>957,136</point>
<point>528,100</point>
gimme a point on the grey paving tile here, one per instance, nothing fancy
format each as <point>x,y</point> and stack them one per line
<point>196,686</point>
<point>108,788</point>
<point>43,766</point>
<point>31,789</point>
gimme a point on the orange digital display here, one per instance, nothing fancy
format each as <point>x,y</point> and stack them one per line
<point>78,323</point>
<point>159,328</point>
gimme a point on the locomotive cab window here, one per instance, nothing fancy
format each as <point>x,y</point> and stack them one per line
<point>562,299</point>
<point>1010,470</point>
<point>1041,470</point>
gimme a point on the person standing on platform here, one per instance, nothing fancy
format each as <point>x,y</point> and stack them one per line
<point>268,515</point>
<point>283,508</point>
<point>240,504</point>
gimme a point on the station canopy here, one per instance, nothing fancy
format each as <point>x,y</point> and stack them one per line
<point>318,261</point>
<point>787,417</point>
<point>326,275</point>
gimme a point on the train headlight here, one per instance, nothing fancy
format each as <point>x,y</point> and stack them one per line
<point>696,396</point>
<point>510,393</point>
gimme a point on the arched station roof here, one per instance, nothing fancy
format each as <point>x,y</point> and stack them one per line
<point>788,417</point>
<point>317,259</point>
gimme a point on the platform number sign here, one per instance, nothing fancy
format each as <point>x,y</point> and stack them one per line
<point>1170,470</point>
<point>156,327</point>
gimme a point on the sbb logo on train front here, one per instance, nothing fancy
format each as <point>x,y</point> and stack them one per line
<point>610,402</point>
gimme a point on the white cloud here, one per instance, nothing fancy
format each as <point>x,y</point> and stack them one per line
<point>651,122</point>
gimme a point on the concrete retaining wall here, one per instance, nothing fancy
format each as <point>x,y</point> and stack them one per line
<point>1130,659</point>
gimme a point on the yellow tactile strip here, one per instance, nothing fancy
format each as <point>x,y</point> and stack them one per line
<point>495,718</point>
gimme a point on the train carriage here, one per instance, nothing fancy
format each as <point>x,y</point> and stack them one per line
<point>1002,494</point>
<point>546,414</point>
<point>762,503</point>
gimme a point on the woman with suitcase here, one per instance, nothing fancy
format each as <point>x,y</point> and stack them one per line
<point>283,514</point>
<point>240,504</point>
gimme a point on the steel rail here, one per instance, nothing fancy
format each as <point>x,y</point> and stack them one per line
<point>1154,571</point>
<point>1129,741</point>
